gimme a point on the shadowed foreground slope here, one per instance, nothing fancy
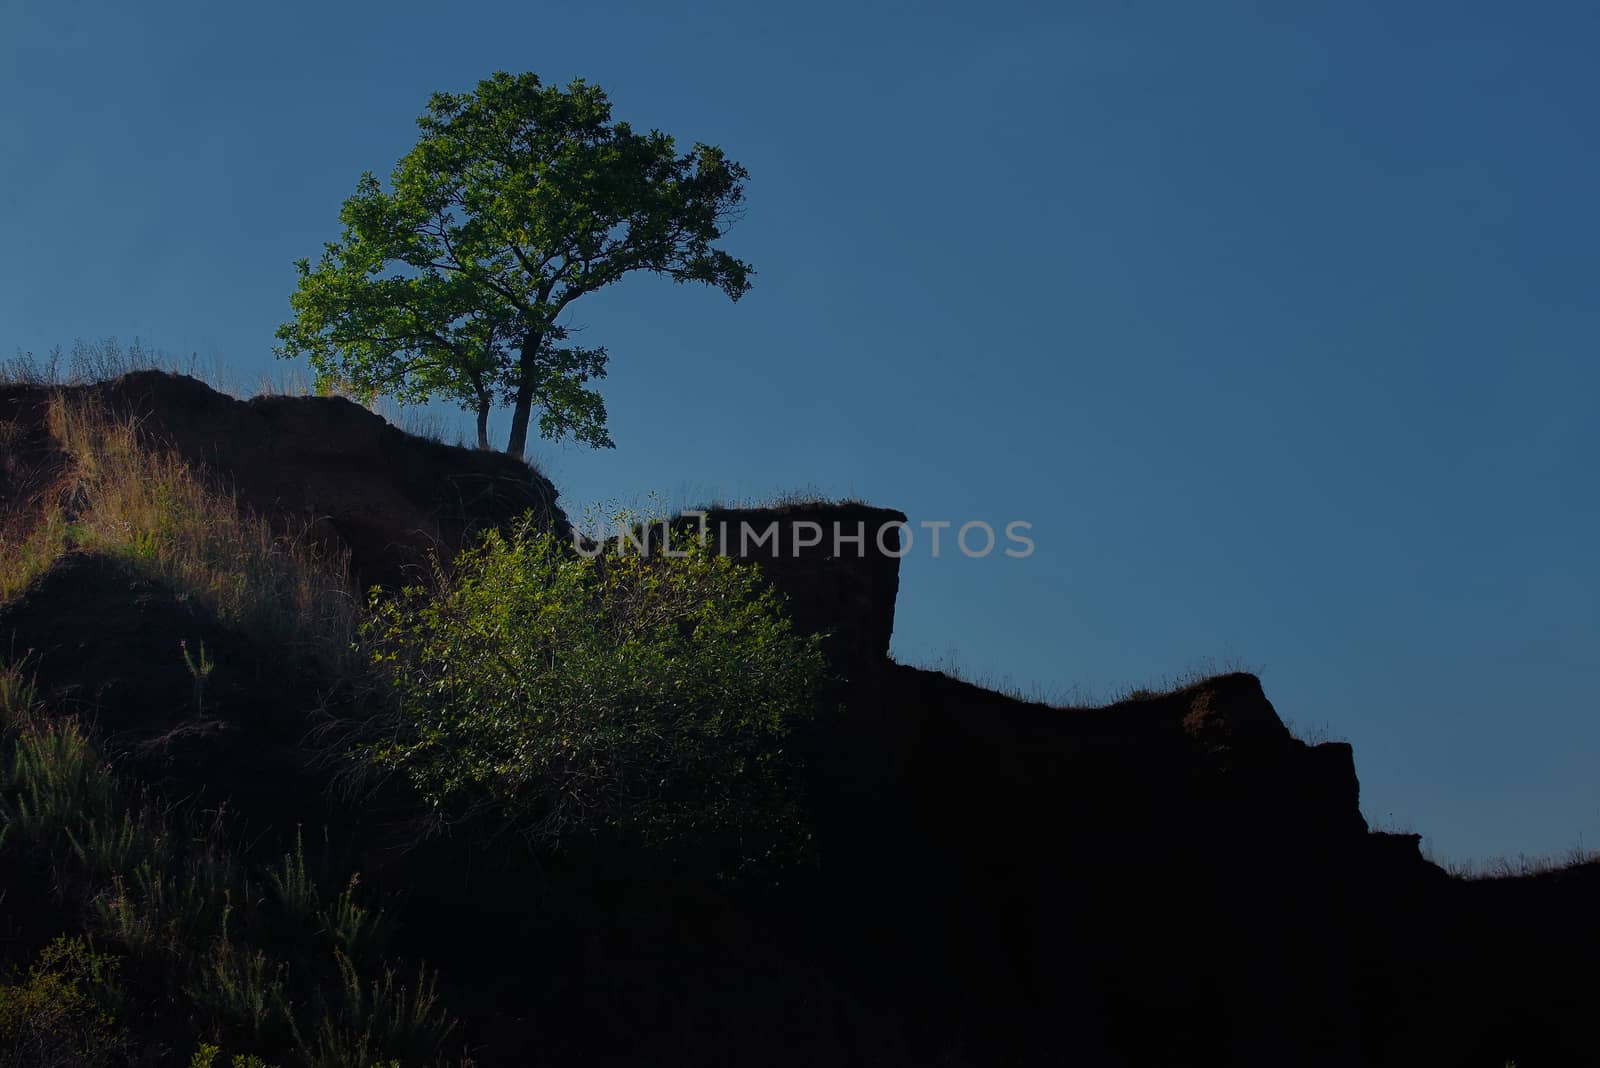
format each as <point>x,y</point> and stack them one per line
<point>1168,880</point>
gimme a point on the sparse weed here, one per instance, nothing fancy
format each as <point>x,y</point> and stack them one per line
<point>949,664</point>
<point>293,886</point>
<point>200,668</point>
<point>349,925</point>
<point>1522,866</point>
<point>804,497</point>
<point>97,361</point>
<point>1316,734</point>
<point>19,695</point>
<point>369,1018</point>
<point>267,962</point>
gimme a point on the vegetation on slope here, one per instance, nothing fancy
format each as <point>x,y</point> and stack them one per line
<point>182,945</point>
<point>108,489</point>
<point>550,693</point>
<point>529,688</point>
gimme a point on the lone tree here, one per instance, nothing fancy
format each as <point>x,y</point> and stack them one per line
<point>518,199</point>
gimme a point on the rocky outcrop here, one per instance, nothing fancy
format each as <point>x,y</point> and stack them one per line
<point>1169,880</point>
<point>836,565</point>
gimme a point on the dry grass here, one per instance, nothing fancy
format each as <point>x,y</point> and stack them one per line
<point>1074,697</point>
<point>1314,734</point>
<point>1522,867</point>
<point>949,664</point>
<point>97,361</point>
<point>33,525</point>
<point>804,497</point>
<point>123,495</point>
<point>88,362</point>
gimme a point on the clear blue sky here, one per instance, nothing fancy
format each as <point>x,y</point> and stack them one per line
<point>1277,321</point>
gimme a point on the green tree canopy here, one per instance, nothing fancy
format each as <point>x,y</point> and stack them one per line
<point>518,199</point>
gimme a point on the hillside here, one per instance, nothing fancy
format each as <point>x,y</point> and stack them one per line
<point>385,495</point>
<point>1173,879</point>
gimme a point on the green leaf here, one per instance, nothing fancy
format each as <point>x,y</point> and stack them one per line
<point>518,199</point>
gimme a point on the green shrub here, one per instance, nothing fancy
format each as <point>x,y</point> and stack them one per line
<point>553,694</point>
<point>56,1016</point>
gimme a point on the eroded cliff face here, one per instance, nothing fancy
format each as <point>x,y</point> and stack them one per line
<point>387,496</point>
<point>1172,880</point>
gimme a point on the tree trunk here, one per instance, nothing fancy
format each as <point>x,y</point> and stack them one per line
<point>523,407</point>
<point>483,423</point>
<point>518,444</point>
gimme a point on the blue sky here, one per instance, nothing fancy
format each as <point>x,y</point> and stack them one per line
<point>1277,322</point>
